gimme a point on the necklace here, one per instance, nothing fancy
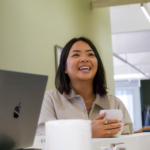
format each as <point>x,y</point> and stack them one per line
<point>89,106</point>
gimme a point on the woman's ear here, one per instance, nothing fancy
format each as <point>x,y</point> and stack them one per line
<point>66,69</point>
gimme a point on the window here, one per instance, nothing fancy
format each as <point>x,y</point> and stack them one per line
<point>128,92</point>
<point>126,96</point>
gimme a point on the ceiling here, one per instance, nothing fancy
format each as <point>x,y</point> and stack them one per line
<point>130,38</point>
<point>131,41</point>
<point>108,3</point>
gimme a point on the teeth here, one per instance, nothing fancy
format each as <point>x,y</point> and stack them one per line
<point>84,68</point>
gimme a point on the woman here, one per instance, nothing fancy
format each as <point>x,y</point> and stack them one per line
<point>81,91</point>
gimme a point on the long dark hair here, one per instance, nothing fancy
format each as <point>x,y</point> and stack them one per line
<point>62,81</point>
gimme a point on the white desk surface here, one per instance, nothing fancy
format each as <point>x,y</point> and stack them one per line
<point>139,141</point>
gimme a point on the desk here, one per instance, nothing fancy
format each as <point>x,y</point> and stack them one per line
<point>139,141</point>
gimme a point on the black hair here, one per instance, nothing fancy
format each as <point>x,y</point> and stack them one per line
<point>62,81</point>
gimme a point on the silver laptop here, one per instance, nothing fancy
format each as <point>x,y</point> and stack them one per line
<point>21,96</point>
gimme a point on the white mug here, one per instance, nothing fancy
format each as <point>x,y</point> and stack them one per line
<point>114,114</point>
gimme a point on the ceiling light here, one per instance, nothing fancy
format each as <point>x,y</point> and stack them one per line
<point>146,10</point>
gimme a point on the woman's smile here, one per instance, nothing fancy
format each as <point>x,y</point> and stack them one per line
<point>84,69</point>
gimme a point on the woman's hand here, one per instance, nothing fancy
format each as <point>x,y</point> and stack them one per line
<point>102,128</point>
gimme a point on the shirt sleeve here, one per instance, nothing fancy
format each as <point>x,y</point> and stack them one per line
<point>47,114</point>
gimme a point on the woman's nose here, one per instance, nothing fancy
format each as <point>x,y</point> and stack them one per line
<point>84,59</point>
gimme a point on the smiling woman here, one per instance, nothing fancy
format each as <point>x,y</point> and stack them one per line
<point>80,53</point>
<point>81,91</point>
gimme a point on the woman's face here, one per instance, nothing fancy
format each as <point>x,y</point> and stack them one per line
<point>81,62</point>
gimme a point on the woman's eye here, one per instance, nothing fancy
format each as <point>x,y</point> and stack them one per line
<point>91,54</point>
<point>75,55</point>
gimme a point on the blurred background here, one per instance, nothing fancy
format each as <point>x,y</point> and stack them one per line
<point>130,30</point>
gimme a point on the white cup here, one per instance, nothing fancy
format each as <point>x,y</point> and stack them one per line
<point>70,134</point>
<point>114,114</point>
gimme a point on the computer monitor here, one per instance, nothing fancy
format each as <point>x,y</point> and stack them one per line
<point>21,96</point>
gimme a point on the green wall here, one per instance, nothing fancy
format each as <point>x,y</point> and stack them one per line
<point>145,93</point>
<point>29,29</point>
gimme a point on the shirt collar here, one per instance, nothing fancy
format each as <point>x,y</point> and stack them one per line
<point>101,101</point>
<point>71,95</point>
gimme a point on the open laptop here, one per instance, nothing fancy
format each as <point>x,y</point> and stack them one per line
<point>21,96</point>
